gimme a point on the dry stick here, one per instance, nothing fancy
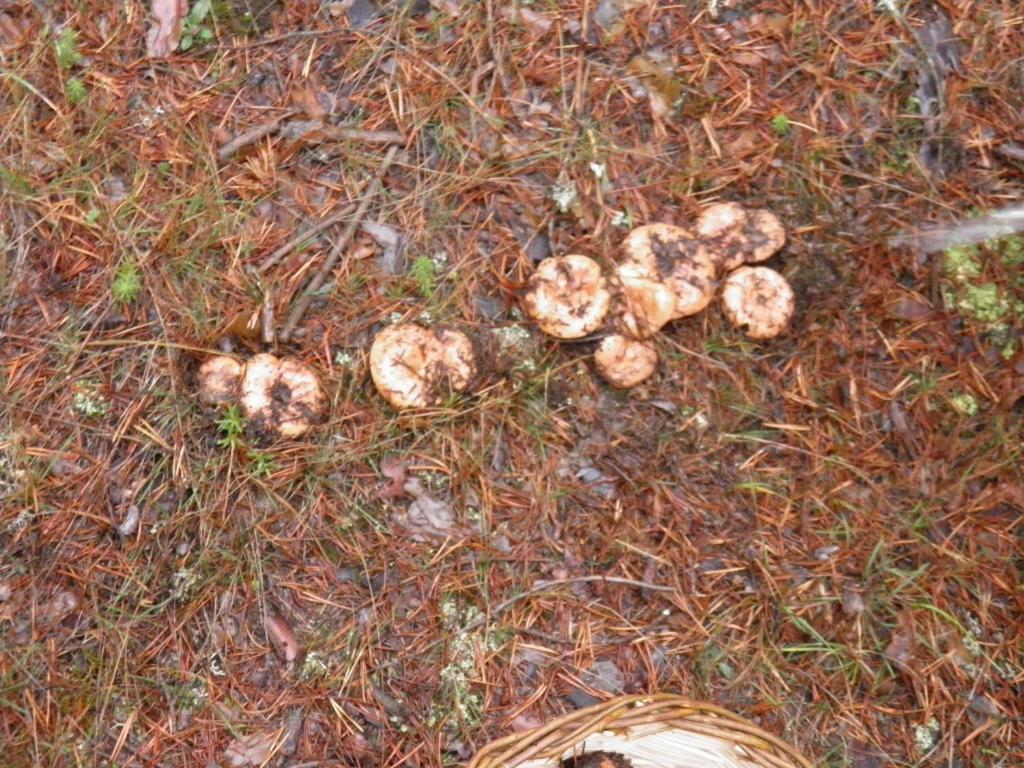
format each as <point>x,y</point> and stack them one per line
<point>318,279</point>
<point>338,133</point>
<point>544,586</point>
<point>302,237</point>
<point>251,136</point>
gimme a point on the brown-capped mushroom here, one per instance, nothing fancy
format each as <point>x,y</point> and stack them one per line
<point>280,396</point>
<point>416,367</point>
<point>567,296</point>
<point>218,380</point>
<point>642,305</point>
<point>735,236</point>
<point>758,299</point>
<point>624,362</point>
<point>669,254</point>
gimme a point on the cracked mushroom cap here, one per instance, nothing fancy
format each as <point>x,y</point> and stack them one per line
<point>758,299</point>
<point>624,362</point>
<point>218,380</point>
<point>416,367</point>
<point>280,396</point>
<point>567,296</point>
<point>643,305</point>
<point>735,236</point>
<point>669,254</point>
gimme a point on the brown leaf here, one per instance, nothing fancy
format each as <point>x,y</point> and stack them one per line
<point>901,648</point>
<point>251,750</point>
<point>282,637</point>
<point>910,309</point>
<point>427,514</point>
<point>164,35</point>
<point>394,471</point>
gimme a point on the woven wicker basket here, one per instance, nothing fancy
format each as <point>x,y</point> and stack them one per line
<point>661,731</point>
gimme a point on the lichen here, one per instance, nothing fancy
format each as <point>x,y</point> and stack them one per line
<point>926,736</point>
<point>964,403</point>
<point>87,401</point>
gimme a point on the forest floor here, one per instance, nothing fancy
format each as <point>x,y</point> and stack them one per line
<point>821,532</point>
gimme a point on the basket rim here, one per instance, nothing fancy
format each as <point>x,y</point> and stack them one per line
<point>631,711</point>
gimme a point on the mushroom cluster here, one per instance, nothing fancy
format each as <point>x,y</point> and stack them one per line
<point>279,397</point>
<point>417,367</point>
<point>664,273</point>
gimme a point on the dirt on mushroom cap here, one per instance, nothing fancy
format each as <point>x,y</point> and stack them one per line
<point>624,362</point>
<point>670,254</point>
<point>734,235</point>
<point>758,299</point>
<point>279,397</point>
<point>416,367</point>
<point>568,296</point>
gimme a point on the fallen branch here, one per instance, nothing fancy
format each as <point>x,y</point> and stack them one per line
<point>251,136</point>
<point>325,270</point>
<point>312,132</point>
<point>303,237</point>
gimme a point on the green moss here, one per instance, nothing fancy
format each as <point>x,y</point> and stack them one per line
<point>962,263</point>
<point>984,303</point>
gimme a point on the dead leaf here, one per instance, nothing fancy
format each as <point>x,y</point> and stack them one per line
<point>394,471</point>
<point>427,514</point>
<point>163,37</point>
<point>251,750</point>
<point>910,309</point>
<point>390,240</point>
<point>900,649</point>
<point>282,637</point>
<point>748,58</point>
<point>535,23</point>
<point>60,607</point>
<point>853,601</point>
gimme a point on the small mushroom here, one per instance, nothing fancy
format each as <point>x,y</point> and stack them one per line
<point>280,396</point>
<point>567,296</point>
<point>415,367</point>
<point>758,299</point>
<point>624,362</point>
<point>669,254</point>
<point>735,235</point>
<point>218,380</point>
<point>644,305</point>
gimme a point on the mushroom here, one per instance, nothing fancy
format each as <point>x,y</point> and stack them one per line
<point>218,380</point>
<point>758,299</point>
<point>280,396</point>
<point>415,367</point>
<point>567,296</point>
<point>735,235</point>
<point>645,305</point>
<point>624,362</point>
<point>669,254</point>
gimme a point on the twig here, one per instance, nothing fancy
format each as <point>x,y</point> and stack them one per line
<point>318,279</point>
<point>302,237</point>
<point>339,133</point>
<point>251,136</point>
<point>544,586</point>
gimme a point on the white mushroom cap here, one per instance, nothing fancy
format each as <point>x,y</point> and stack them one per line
<point>568,296</point>
<point>459,358</point>
<point>734,235</point>
<point>758,299</point>
<point>645,304</point>
<point>415,367</point>
<point>280,396</point>
<point>624,362</point>
<point>218,380</point>
<point>669,254</point>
